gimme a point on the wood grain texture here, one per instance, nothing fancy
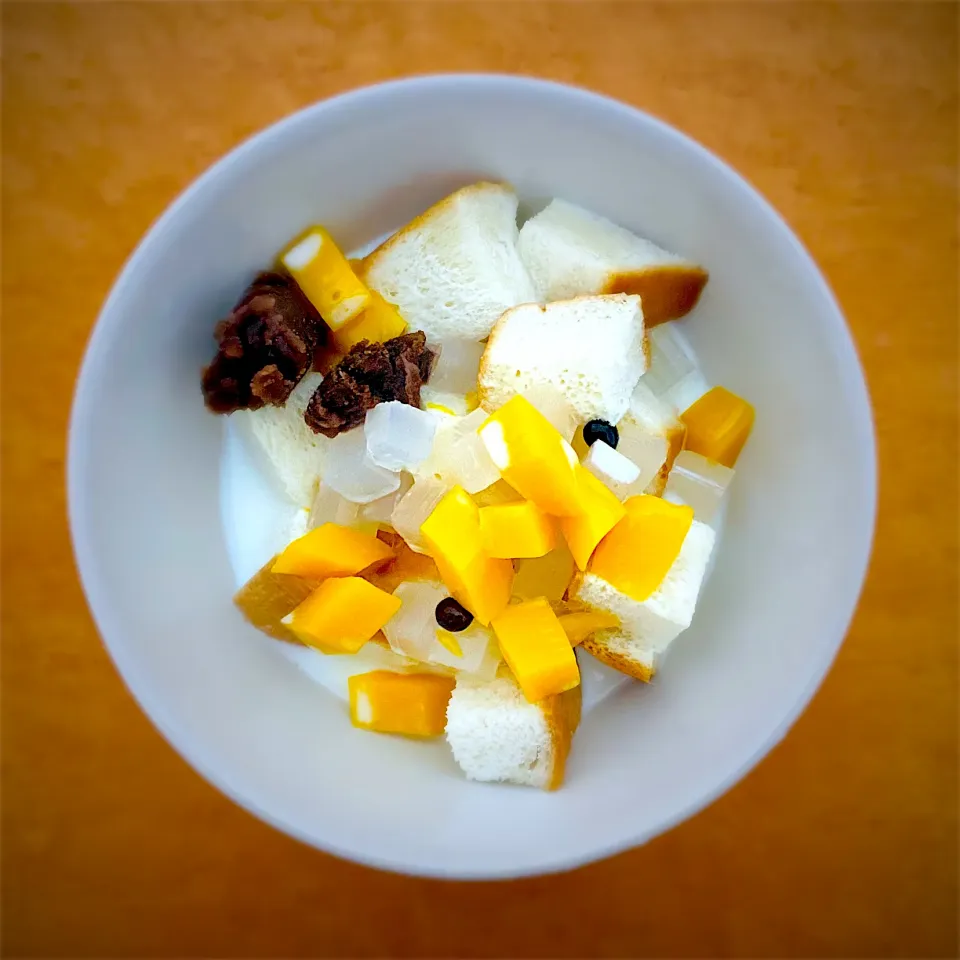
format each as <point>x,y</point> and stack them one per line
<point>844,841</point>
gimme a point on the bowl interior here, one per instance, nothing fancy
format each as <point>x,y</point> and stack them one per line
<point>145,483</point>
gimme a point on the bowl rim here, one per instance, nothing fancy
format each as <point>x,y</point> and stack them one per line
<point>110,320</point>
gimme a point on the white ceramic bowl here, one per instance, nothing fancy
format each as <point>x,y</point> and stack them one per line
<point>145,457</point>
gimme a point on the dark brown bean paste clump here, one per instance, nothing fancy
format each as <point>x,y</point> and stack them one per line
<point>369,374</point>
<point>264,347</point>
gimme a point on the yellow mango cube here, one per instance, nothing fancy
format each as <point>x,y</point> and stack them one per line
<point>532,456</point>
<point>379,322</point>
<point>718,425</point>
<point>413,704</point>
<point>331,551</point>
<point>578,626</point>
<point>637,553</point>
<point>324,274</point>
<point>601,512</point>
<point>536,649</point>
<point>452,535</point>
<point>547,576</point>
<point>516,530</point>
<point>342,614</point>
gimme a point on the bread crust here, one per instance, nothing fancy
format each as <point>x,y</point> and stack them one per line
<point>667,291</point>
<point>562,714</point>
<point>596,646</point>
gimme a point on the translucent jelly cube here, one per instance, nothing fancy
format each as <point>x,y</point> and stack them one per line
<point>414,507</point>
<point>673,374</point>
<point>349,470</point>
<point>467,650</point>
<point>399,436</point>
<point>646,449</point>
<point>457,368</point>
<point>412,631</point>
<point>459,456</point>
<point>330,507</point>
<point>699,483</point>
<point>610,466</point>
<point>555,407</point>
<point>547,576</point>
<point>381,511</point>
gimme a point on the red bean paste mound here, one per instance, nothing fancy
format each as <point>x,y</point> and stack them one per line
<point>265,346</point>
<point>369,374</point>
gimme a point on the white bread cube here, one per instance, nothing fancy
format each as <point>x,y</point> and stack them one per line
<point>290,450</point>
<point>589,349</point>
<point>498,736</point>
<point>570,252</point>
<point>647,629</point>
<point>454,269</point>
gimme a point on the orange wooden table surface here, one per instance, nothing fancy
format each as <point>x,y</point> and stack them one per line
<point>844,841</point>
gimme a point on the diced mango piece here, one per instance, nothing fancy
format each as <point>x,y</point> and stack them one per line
<point>413,704</point>
<point>536,649</point>
<point>547,576</point>
<point>718,425</point>
<point>452,534</point>
<point>579,626</point>
<point>331,551</point>
<point>637,553</point>
<point>379,322</point>
<point>326,277</point>
<point>342,614</point>
<point>601,512</point>
<point>532,456</point>
<point>267,597</point>
<point>515,530</point>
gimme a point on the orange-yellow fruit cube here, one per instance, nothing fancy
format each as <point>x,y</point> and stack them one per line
<point>452,534</point>
<point>380,321</point>
<point>536,649</point>
<point>718,425</point>
<point>637,553</point>
<point>515,530</point>
<point>324,274</point>
<point>414,704</point>
<point>331,551</point>
<point>601,512</point>
<point>547,576</point>
<point>579,626</point>
<point>342,614</point>
<point>532,456</point>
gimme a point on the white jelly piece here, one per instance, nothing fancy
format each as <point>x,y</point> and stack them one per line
<point>414,632</point>
<point>414,507</point>
<point>399,436</point>
<point>555,407</point>
<point>699,483</point>
<point>351,472</point>
<point>609,465</point>
<point>457,368</point>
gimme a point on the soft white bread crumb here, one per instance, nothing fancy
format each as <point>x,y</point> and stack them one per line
<point>454,269</point>
<point>648,628</point>
<point>590,349</point>
<point>497,735</point>
<point>570,252</point>
<point>293,453</point>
